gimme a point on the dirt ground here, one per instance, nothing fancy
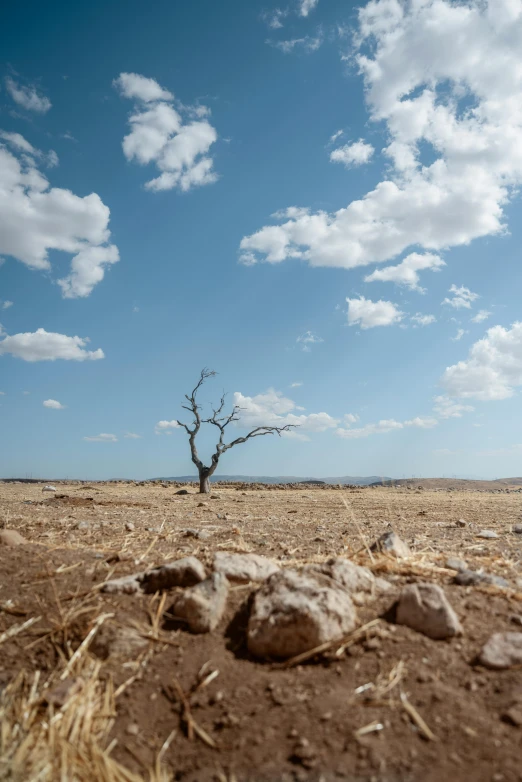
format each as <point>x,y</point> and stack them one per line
<point>166,704</point>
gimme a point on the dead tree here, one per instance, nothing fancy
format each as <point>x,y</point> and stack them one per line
<point>221,421</point>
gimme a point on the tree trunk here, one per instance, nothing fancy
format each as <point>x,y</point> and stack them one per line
<point>204,483</point>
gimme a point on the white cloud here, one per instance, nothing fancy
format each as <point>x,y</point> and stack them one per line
<point>164,427</point>
<point>423,320</point>
<point>305,6</point>
<point>308,44</point>
<point>493,368</point>
<point>43,345</point>
<point>427,79</point>
<point>132,436</point>
<point>350,419</point>
<point>307,339</point>
<point>352,154</point>
<point>2,393</point>
<point>20,144</point>
<point>407,272</point>
<point>480,316</point>
<point>53,404</point>
<point>445,407</point>
<point>160,135</point>
<point>274,18</point>
<point>383,427</point>
<point>422,422</point>
<point>102,438</point>
<point>369,314</point>
<point>462,298</point>
<point>273,409</point>
<point>35,218</point>
<point>458,336</point>
<point>27,97</point>
<point>335,136</point>
<point>6,304</point>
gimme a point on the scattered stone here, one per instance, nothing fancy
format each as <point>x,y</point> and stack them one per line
<point>488,534</point>
<point>517,529</point>
<point>242,568</point>
<point>516,619</point>
<point>201,534</point>
<point>425,608</point>
<point>294,613</point>
<point>132,729</point>
<point>49,488</point>
<point>182,491</point>
<point>461,523</point>
<point>215,496</point>
<point>83,525</point>
<point>129,526</point>
<point>117,642</point>
<point>473,577</point>
<point>10,537</point>
<point>182,573</point>
<point>202,606</point>
<point>202,505</point>
<point>126,585</point>
<point>513,715</point>
<point>453,563</point>
<point>352,577</point>
<point>391,543</point>
<point>503,650</point>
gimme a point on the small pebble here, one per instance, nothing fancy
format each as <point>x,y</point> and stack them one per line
<point>132,729</point>
<point>129,526</point>
<point>517,529</point>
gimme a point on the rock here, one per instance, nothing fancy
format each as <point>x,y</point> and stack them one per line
<point>391,543</point>
<point>472,578</point>
<point>516,619</point>
<point>182,573</point>
<point>182,491</point>
<point>517,529</point>
<point>461,523</point>
<point>49,488</point>
<point>353,578</point>
<point>488,534</point>
<point>133,729</point>
<point>127,585</point>
<point>83,525</point>
<point>453,563</point>
<point>513,715</point>
<point>215,496</point>
<point>503,650</point>
<point>117,642</point>
<point>425,608</point>
<point>202,505</point>
<point>10,537</point>
<point>294,613</point>
<point>129,526</point>
<point>242,568</point>
<point>201,534</point>
<point>202,606</point>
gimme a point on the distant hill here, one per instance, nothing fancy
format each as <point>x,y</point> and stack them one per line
<point>454,483</point>
<point>345,480</point>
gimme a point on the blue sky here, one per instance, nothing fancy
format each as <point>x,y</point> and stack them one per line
<point>316,199</point>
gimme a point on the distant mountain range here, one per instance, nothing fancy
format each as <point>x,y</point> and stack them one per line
<point>345,480</point>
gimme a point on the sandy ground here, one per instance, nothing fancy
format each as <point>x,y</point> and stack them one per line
<point>259,721</point>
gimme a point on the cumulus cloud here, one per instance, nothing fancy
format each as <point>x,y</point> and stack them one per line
<point>42,345</point>
<point>36,218</point>
<point>132,436</point>
<point>423,320</point>
<point>427,79</point>
<point>368,314</point>
<point>445,407</point>
<point>27,97</point>
<point>407,272</point>
<point>352,154</point>
<point>165,427</point>
<point>6,304</point>
<point>462,298</point>
<point>384,427</point>
<point>350,418</point>
<point>458,336</point>
<point>272,408</point>
<point>305,6</point>
<point>481,316</point>
<point>493,368</point>
<point>307,339</point>
<point>175,138</point>
<point>102,438</point>
<point>53,404</point>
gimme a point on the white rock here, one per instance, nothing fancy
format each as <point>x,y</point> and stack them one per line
<point>202,606</point>
<point>10,537</point>
<point>391,543</point>
<point>294,613</point>
<point>181,573</point>
<point>242,568</point>
<point>126,585</point>
<point>503,650</point>
<point>49,488</point>
<point>352,577</point>
<point>488,534</point>
<point>425,608</point>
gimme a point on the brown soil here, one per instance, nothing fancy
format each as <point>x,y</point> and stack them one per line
<point>269,722</point>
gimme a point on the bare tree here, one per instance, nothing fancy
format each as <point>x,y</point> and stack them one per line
<point>221,421</point>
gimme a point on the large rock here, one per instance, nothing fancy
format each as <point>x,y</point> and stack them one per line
<point>473,577</point>
<point>425,608</point>
<point>181,573</point>
<point>503,650</point>
<point>126,585</point>
<point>10,537</point>
<point>242,568</point>
<point>202,606</point>
<point>353,578</point>
<point>391,543</point>
<point>294,613</point>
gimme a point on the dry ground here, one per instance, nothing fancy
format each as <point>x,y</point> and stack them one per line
<point>91,682</point>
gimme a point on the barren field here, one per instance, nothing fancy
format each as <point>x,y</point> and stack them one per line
<point>112,687</point>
